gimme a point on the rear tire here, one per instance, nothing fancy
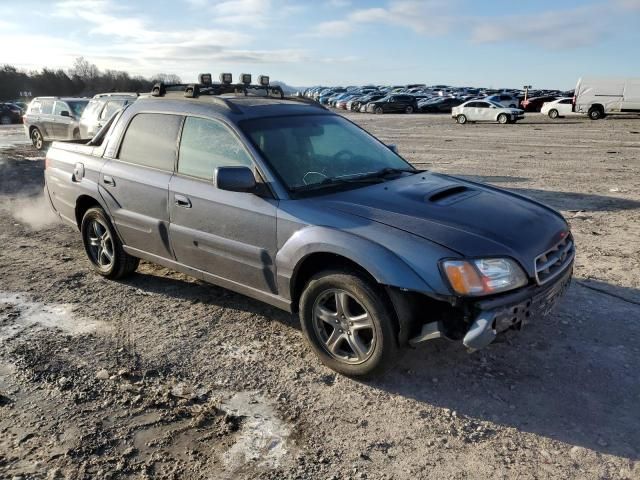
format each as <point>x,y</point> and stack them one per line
<point>596,113</point>
<point>409,109</point>
<point>348,323</point>
<point>378,110</point>
<point>103,246</point>
<point>503,119</point>
<point>553,114</point>
<point>461,119</point>
<point>37,139</point>
<point>5,120</point>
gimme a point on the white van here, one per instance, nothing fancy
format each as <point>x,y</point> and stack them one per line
<point>600,96</point>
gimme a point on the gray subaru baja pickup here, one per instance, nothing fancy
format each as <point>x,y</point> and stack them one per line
<point>281,200</point>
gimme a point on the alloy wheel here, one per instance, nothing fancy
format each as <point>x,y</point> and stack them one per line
<point>36,138</point>
<point>100,244</point>
<point>344,326</point>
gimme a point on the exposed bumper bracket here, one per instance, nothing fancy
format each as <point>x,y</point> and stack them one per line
<point>481,333</point>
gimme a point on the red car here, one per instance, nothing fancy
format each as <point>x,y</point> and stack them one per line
<point>534,104</point>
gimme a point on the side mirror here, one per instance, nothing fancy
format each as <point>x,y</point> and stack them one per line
<point>235,179</point>
<point>393,147</point>
<point>65,113</point>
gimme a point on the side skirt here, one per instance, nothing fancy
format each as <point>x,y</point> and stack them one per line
<point>271,299</point>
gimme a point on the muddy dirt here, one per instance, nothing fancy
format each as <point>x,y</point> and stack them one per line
<point>163,376</point>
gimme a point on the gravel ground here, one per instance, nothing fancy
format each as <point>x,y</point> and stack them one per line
<point>162,376</point>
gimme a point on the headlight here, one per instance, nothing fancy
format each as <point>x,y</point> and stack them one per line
<point>483,276</point>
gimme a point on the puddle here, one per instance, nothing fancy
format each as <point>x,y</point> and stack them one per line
<point>17,313</point>
<point>263,438</point>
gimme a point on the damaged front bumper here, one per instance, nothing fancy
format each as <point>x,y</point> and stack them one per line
<point>509,311</point>
<point>514,310</point>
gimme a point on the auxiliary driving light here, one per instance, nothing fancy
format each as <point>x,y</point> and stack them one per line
<point>263,80</point>
<point>205,79</point>
<point>245,78</point>
<point>226,78</point>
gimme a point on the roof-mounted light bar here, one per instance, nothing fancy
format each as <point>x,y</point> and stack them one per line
<point>226,78</point>
<point>263,80</point>
<point>245,78</point>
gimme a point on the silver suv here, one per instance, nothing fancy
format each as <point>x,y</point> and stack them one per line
<point>100,109</point>
<point>53,118</point>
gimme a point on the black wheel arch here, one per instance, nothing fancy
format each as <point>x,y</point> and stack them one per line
<point>83,203</point>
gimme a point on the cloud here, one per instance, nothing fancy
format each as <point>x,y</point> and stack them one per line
<point>334,28</point>
<point>553,30</point>
<point>426,17</point>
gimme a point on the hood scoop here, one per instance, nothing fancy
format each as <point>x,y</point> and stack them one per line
<point>451,194</point>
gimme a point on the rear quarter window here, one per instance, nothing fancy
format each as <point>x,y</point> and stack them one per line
<point>150,140</point>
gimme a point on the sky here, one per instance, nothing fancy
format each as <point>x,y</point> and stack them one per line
<point>491,43</point>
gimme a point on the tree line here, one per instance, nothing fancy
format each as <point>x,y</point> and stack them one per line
<point>82,79</point>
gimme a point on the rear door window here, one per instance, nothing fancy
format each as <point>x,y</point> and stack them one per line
<point>60,107</point>
<point>207,144</point>
<point>150,140</point>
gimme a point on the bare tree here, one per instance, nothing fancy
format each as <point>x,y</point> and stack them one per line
<point>166,78</point>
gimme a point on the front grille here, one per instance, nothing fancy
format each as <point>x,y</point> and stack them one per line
<point>553,262</point>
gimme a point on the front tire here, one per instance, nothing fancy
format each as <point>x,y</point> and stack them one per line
<point>461,119</point>
<point>348,323</point>
<point>378,110</point>
<point>553,114</point>
<point>503,119</point>
<point>5,120</point>
<point>103,246</point>
<point>409,109</point>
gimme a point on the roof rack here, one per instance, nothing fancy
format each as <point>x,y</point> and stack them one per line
<point>214,92</point>
<point>116,94</point>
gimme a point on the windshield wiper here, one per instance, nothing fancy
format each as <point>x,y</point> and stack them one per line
<point>373,177</point>
<point>330,182</point>
<point>387,171</point>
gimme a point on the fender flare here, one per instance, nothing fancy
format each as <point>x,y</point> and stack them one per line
<point>381,263</point>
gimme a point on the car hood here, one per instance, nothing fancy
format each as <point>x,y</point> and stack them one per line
<point>466,217</point>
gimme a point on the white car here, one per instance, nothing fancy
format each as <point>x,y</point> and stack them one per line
<point>485,111</point>
<point>558,108</point>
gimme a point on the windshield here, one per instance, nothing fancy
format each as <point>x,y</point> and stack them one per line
<point>311,150</point>
<point>77,106</point>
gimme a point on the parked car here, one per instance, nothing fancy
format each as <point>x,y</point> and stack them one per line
<point>10,113</point>
<point>101,107</point>
<point>534,104</point>
<point>53,118</point>
<point>296,206</point>
<point>485,111</point>
<point>505,100</point>
<point>360,102</point>
<point>558,108</point>
<point>598,97</point>
<point>396,103</point>
<point>439,105</point>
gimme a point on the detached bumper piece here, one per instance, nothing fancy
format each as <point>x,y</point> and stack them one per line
<point>513,311</point>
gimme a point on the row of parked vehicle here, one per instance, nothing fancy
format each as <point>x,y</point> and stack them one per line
<point>69,118</point>
<point>425,99</point>
<point>595,97</point>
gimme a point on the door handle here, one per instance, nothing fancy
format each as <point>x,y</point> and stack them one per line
<point>107,180</point>
<point>182,201</point>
